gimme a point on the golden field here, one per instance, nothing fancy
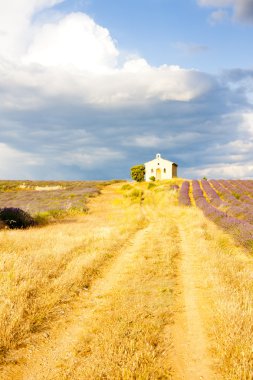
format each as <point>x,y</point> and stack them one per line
<point>137,288</point>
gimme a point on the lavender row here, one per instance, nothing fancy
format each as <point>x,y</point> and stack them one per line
<point>239,190</point>
<point>243,211</point>
<point>236,192</point>
<point>234,207</point>
<point>234,188</point>
<point>184,198</point>
<point>224,192</point>
<point>246,191</point>
<point>211,193</point>
<point>242,231</point>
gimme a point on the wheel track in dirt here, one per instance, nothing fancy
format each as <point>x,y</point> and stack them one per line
<point>42,360</point>
<point>18,361</point>
<point>190,357</point>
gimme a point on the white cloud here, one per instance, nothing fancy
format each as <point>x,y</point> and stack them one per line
<point>76,107</point>
<point>15,24</point>
<point>165,141</point>
<point>13,160</point>
<point>223,170</point>
<point>74,40</point>
<point>90,158</point>
<point>216,3</point>
<point>73,57</point>
<point>190,47</point>
<point>30,86</point>
<point>240,147</point>
<point>218,16</point>
<point>243,9</point>
<point>146,141</point>
<point>247,124</point>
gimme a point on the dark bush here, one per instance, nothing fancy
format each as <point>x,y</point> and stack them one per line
<point>16,218</point>
<point>138,173</point>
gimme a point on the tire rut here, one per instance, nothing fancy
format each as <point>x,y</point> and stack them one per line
<point>40,361</point>
<point>190,355</point>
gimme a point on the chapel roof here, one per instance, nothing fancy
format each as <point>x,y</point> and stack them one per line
<point>159,158</point>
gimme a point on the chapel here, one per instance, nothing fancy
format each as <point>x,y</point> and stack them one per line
<point>160,169</point>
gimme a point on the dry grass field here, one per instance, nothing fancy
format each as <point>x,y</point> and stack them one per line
<point>49,200</point>
<point>137,288</point>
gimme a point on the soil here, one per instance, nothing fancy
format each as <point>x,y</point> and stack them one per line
<point>46,355</point>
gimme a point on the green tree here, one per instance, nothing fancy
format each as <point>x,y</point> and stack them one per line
<point>138,173</point>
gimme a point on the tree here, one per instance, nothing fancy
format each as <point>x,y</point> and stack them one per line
<point>138,173</point>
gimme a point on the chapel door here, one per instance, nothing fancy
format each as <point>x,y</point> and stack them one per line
<point>158,174</point>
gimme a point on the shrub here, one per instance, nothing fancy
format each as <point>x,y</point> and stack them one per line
<point>151,185</point>
<point>16,218</point>
<point>136,193</point>
<point>46,217</point>
<point>42,218</point>
<point>138,173</point>
<point>126,187</point>
<point>152,178</point>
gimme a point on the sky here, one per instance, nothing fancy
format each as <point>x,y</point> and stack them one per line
<point>89,88</point>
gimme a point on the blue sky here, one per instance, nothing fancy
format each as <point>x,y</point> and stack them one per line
<point>176,32</point>
<point>89,88</point>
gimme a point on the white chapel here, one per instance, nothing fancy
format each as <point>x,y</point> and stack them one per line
<point>160,169</point>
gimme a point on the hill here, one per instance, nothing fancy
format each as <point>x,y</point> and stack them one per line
<point>138,287</point>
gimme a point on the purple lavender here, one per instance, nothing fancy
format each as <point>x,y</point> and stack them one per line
<point>211,193</point>
<point>74,195</point>
<point>241,230</point>
<point>184,198</point>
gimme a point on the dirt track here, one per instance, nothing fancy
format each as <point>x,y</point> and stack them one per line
<point>157,280</point>
<point>191,347</point>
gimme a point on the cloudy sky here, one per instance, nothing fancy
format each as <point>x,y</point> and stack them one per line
<point>89,88</point>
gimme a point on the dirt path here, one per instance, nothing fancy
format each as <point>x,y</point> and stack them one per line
<point>47,359</point>
<point>137,320</point>
<point>192,359</point>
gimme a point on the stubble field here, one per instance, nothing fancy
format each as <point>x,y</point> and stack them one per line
<point>152,281</point>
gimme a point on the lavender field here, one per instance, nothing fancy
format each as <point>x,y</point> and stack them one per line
<point>44,196</point>
<point>131,280</point>
<point>229,203</point>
